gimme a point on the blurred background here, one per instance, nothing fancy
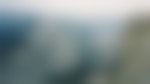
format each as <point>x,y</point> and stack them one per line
<point>74,41</point>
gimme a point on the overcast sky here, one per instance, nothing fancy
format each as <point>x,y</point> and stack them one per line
<point>79,7</point>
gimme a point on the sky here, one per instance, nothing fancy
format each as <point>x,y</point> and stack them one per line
<point>79,7</point>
